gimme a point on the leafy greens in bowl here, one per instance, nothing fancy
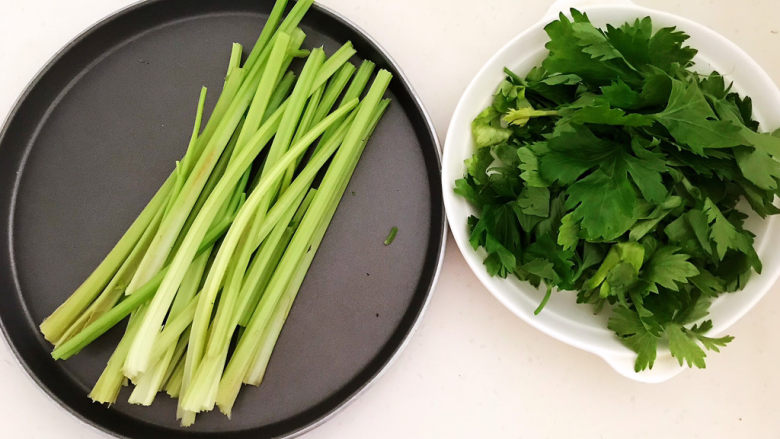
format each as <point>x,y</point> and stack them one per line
<point>619,170</point>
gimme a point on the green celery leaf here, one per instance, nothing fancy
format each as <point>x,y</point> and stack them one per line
<point>529,166</point>
<point>758,167</point>
<point>683,347</point>
<point>576,47</point>
<point>575,150</point>
<point>691,121</point>
<point>667,268</point>
<point>714,344</point>
<point>535,201</point>
<point>707,283</point>
<point>568,234</point>
<point>605,205</point>
<point>486,129</point>
<point>629,328</point>
<point>722,232</point>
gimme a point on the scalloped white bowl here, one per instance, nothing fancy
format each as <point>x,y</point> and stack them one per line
<point>562,318</point>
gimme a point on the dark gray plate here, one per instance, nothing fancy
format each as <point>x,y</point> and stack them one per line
<point>97,132</point>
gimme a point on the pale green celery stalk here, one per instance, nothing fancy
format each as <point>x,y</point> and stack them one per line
<point>235,58</point>
<point>271,73</point>
<point>281,204</point>
<point>168,334</point>
<point>177,181</point>
<point>115,288</point>
<point>191,283</point>
<point>148,384</point>
<point>239,194</point>
<point>190,156</point>
<point>235,76</point>
<point>333,91</point>
<point>184,166</point>
<point>63,317</point>
<point>267,258</point>
<point>244,159</point>
<point>297,37</point>
<point>231,306</point>
<point>334,63</point>
<point>295,16</point>
<point>282,140</point>
<point>173,386</point>
<point>130,303</point>
<point>273,328</point>
<point>303,126</point>
<point>229,90</point>
<point>258,57</point>
<point>359,81</point>
<point>138,357</point>
<point>174,327</point>
<point>292,115</point>
<point>300,185</point>
<point>245,350</point>
<point>178,354</point>
<point>307,119</point>
<point>169,230</point>
<point>329,68</point>
<point>280,143</point>
<point>280,93</point>
<point>107,387</point>
<point>216,174</point>
<point>285,84</point>
<point>193,396</point>
<point>269,29</point>
<point>187,418</point>
<point>355,88</point>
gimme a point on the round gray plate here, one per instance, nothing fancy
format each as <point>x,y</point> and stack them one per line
<point>98,131</point>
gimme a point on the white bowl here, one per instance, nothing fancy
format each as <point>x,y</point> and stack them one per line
<point>562,318</point>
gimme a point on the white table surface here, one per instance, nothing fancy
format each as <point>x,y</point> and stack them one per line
<point>472,369</point>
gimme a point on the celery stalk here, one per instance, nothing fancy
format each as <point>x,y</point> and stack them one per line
<point>280,93</point>
<point>333,64</point>
<point>107,387</point>
<point>279,145</point>
<point>169,230</point>
<point>271,73</point>
<point>191,283</point>
<point>269,29</point>
<point>232,305</point>
<point>303,126</point>
<point>215,277</point>
<point>138,359</point>
<point>63,317</point>
<point>267,259</point>
<point>178,354</point>
<point>355,88</point>
<point>235,58</point>
<point>173,385</point>
<point>245,350</point>
<point>114,290</point>
<point>215,176</point>
<point>129,304</point>
<point>353,92</point>
<point>333,91</point>
<point>273,328</point>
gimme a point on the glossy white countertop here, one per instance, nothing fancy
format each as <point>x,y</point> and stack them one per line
<point>472,369</point>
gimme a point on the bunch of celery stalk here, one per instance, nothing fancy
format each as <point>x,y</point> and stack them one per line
<point>210,268</point>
